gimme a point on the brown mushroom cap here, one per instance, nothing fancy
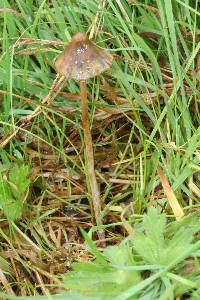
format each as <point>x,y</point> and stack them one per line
<point>82,59</point>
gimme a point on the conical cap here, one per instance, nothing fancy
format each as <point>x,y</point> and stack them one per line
<point>82,59</point>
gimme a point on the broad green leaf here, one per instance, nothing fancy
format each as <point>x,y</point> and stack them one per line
<point>19,177</point>
<point>93,278</point>
<point>14,184</point>
<point>154,245</point>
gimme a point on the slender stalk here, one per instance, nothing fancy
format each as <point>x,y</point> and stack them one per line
<point>89,155</point>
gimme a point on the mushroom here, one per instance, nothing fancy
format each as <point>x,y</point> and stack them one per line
<point>82,60</point>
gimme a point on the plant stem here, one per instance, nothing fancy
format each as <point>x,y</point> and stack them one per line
<point>89,155</point>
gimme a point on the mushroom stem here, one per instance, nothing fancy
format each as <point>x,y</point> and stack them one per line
<point>89,156</point>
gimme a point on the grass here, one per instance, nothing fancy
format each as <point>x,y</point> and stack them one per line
<point>144,116</point>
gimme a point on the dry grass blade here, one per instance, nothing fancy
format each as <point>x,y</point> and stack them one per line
<point>41,283</point>
<point>6,284</point>
<point>194,188</point>
<point>125,223</point>
<point>55,89</point>
<point>9,10</point>
<point>97,19</point>
<point>171,197</point>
